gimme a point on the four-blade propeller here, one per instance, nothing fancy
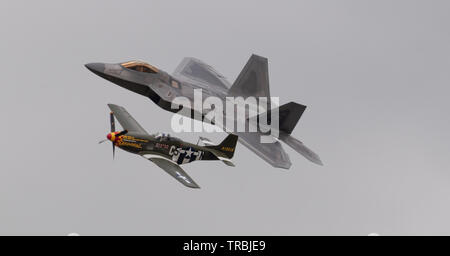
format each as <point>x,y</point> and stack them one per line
<point>113,135</point>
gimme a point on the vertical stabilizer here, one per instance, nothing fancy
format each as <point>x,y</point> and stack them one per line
<point>253,79</point>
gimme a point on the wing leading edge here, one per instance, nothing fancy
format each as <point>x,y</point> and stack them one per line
<point>126,120</point>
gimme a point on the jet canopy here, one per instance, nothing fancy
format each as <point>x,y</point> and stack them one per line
<point>140,66</point>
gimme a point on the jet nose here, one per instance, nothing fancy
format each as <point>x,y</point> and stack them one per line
<point>97,68</point>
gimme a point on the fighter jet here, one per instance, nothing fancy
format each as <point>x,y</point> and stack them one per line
<point>162,88</point>
<point>165,151</point>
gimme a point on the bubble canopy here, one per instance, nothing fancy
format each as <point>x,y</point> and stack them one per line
<point>165,137</point>
<point>140,66</point>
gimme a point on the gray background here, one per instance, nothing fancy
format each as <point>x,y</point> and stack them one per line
<point>375,75</point>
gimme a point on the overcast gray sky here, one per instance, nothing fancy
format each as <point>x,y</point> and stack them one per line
<point>374,75</point>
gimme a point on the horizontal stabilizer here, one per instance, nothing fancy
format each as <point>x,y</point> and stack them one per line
<point>272,153</point>
<point>227,147</point>
<point>300,148</point>
<point>204,141</point>
<point>228,162</point>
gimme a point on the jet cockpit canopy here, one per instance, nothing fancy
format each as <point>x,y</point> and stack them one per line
<point>140,66</point>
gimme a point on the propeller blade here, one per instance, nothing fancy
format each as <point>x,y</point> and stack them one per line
<point>113,125</point>
<point>100,142</point>
<point>122,133</point>
<point>113,129</point>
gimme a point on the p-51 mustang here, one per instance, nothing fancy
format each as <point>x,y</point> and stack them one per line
<point>165,151</point>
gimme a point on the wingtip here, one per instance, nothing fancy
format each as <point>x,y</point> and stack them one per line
<point>319,162</point>
<point>315,158</point>
<point>192,185</point>
<point>284,166</point>
<point>259,57</point>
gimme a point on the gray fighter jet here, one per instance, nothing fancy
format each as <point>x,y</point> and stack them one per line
<point>165,151</point>
<point>162,88</point>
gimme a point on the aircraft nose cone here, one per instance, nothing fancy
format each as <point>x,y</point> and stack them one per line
<point>96,67</point>
<point>108,136</point>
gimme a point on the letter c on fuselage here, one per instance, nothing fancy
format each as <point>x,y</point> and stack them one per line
<point>173,151</point>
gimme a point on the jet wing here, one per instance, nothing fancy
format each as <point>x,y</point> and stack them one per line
<point>126,120</point>
<point>173,170</point>
<point>194,70</point>
<point>273,153</point>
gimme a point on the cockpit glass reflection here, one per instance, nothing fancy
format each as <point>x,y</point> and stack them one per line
<point>140,67</point>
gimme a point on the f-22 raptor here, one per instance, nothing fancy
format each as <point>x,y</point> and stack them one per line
<point>165,151</point>
<point>253,81</point>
